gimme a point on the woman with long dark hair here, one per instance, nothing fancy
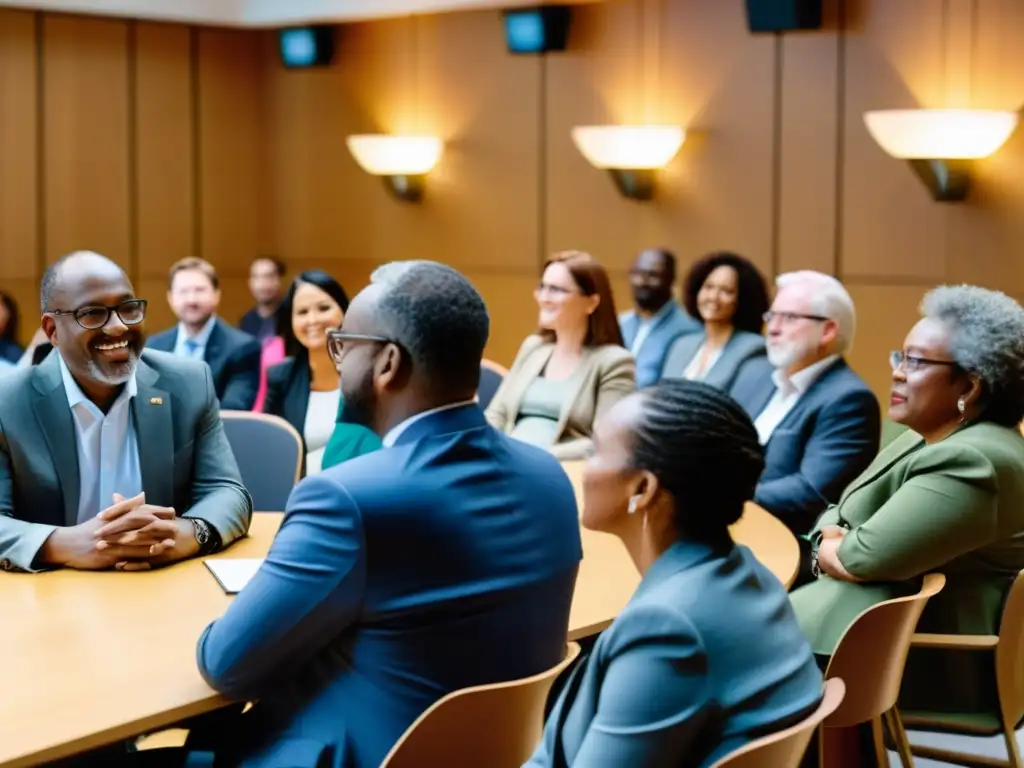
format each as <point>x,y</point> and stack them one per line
<point>304,388</point>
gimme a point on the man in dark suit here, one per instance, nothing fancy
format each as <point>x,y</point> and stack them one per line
<point>233,356</point>
<point>649,330</point>
<point>265,276</point>
<point>819,422</point>
<point>447,559</point>
<point>110,456</point>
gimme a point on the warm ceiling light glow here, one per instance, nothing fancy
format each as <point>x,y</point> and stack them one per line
<point>947,134</point>
<point>628,146</point>
<point>384,155</point>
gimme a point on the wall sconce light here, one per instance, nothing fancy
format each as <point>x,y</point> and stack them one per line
<point>941,145</point>
<point>402,161</point>
<point>630,153</point>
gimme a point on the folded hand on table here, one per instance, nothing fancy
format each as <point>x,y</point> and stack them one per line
<point>128,535</point>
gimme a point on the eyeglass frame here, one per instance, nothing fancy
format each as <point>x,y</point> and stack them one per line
<point>337,336</point>
<point>116,309</point>
<point>787,317</point>
<point>898,359</point>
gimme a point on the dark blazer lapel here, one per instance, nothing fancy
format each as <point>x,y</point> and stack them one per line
<point>819,388</point>
<point>763,396</point>
<point>154,432</point>
<point>296,396</point>
<point>58,427</point>
<point>215,348</point>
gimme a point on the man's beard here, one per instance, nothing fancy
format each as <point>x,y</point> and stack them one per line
<point>650,299</point>
<point>111,373</point>
<point>360,405</point>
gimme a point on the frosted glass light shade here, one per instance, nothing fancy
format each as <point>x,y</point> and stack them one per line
<point>385,155</point>
<point>948,134</point>
<point>628,146</point>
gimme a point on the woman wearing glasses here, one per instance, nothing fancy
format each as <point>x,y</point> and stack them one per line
<point>727,294</point>
<point>573,369</point>
<point>946,496</point>
<point>304,389</point>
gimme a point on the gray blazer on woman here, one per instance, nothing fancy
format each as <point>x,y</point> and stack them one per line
<point>679,681</point>
<point>741,347</point>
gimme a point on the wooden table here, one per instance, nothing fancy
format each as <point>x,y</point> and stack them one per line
<point>88,659</point>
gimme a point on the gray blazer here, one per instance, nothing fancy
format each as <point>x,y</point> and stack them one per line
<point>742,347</point>
<point>678,681</point>
<point>184,457</point>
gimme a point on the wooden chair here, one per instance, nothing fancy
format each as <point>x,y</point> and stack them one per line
<point>786,749</point>
<point>1009,672</point>
<point>269,455</point>
<point>494,725</point>
<point>870,658</point>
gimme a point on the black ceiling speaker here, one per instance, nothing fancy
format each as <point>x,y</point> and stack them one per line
<point>783,15</point>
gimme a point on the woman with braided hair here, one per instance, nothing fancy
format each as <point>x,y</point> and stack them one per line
<point>707,655</point>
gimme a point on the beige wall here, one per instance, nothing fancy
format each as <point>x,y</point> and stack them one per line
<point>150,141</point>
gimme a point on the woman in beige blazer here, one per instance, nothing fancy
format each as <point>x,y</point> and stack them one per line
<point>573,369</point>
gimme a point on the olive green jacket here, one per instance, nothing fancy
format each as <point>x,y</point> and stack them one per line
<point>954,507</point>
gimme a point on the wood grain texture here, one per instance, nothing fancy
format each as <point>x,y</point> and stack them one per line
<point>19,122</point>
<point>232,148</point>
<point>164,182</point>
<point>85,129</point>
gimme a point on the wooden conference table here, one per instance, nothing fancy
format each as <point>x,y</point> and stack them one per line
<point>87,659</point>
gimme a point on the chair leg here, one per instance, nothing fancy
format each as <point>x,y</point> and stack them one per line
<point>1012,750</point>
<point>899,737</point>
<point>878,740</point>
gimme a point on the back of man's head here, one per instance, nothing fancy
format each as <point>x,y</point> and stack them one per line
<point>440,320</point>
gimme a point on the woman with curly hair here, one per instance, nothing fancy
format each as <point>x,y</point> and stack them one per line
<point>947,496</point>
<point>727,294</point>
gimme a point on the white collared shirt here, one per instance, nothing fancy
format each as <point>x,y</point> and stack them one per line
<point>194,346</point>
<point>108,451</point>
<point>788,390</point>
<point>394,433</point>
<point>644,329</point>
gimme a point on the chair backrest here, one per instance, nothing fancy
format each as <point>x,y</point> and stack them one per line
<point>1009,659</point>
<point>872,653</point>
<point>494,725</point>
<point>491,376</point>
<point>786,749</point>
<point>269,455</point>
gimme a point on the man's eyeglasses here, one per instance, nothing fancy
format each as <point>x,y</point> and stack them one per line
<point>791,317</point>
<point>336,341</point>
<point>94,317</point>
<point>913,363</point>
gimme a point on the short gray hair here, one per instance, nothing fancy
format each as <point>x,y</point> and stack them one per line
<point>440,319</point>
<point>986,338</point>
<point>829,299</point>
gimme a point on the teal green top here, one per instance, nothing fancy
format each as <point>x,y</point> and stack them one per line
<point>348,441</point>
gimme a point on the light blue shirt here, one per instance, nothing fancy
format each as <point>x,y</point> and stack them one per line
<point>108,451</point>
<point>644,330</point>
<point>194,346</point>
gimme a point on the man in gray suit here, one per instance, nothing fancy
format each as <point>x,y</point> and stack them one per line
<point>111,457</point>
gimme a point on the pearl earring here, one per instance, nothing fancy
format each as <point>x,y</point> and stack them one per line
<point>633,501</point>
<point>961,405</point>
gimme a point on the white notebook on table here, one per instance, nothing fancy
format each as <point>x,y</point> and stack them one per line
<point>233,573</point>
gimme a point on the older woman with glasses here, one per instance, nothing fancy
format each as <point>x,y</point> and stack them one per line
<point>947,496</point>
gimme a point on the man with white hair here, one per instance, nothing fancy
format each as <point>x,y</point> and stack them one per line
<point>819,422</point>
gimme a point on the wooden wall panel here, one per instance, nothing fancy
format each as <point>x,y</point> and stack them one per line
<point>18,142</point>
<point>637,61</point>
<point>86,136</point>
<point>810,134</point>
<point>231,157</point>
<point>164,183</point>
<point>891,227</point>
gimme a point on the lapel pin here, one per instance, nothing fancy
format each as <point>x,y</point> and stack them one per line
<point>156,401</point>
